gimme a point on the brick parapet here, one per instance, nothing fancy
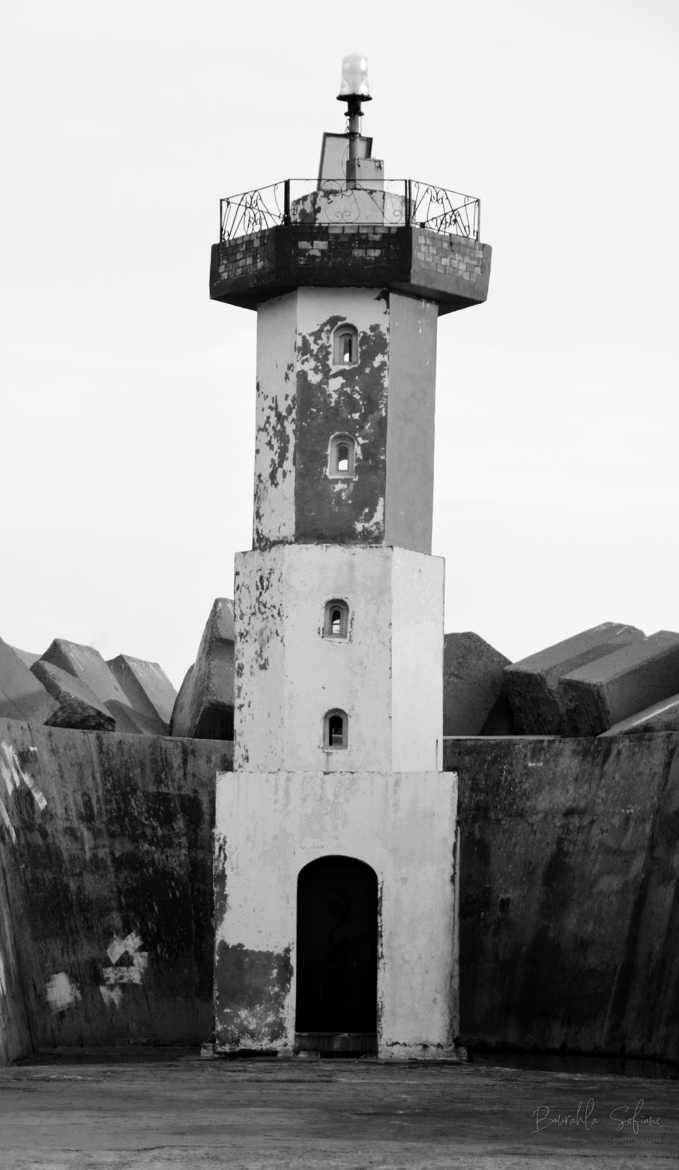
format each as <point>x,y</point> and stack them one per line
<point>451,270</point>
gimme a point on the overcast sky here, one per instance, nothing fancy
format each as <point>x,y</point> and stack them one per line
<point>128,396</point>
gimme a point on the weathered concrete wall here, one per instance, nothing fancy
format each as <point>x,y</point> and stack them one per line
<point>334,399</point>
<point>105,864</point>
<point>15,1037</point>
<point>570,893</point>
<point>384,401</point>
<point>386,674</point>
<point>303,398</point>
<point>268,827</point>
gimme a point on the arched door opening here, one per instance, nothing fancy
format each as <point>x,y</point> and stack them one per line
<point>337,957</point>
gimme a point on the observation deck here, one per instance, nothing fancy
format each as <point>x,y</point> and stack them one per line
<point>403,235</point>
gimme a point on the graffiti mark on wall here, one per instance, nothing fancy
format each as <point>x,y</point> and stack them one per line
<point>128,963</point>
<point>14,777</point>
<point>61,992</point>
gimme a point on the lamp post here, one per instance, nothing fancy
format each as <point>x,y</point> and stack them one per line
<point>354,90</point>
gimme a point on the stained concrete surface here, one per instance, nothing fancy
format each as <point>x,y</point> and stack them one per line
<point>532,685</point>
<point>106,928</point>
<point>569,893</point>
<point>611,689</point>
<point>336,1114</point>
<point>473,679</point>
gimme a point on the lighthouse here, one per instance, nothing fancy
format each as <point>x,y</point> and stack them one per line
<point>335,841</point>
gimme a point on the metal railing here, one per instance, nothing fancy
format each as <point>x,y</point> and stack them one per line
<point>392,203</point>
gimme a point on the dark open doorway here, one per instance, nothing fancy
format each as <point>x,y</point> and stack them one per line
<point>337,956</point>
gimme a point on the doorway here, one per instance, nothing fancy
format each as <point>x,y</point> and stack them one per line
<point>336,1009</point>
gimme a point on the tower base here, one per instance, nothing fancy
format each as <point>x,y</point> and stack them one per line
<point>336,912</point>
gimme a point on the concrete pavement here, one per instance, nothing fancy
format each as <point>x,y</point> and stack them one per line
<point>340,1115</point>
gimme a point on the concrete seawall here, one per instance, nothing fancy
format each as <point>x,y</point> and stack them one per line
<point>106,928</point>
<point>569,904</point>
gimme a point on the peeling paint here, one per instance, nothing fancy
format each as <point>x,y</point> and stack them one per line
<point>371,527</point>
<point>61,992</point>
<point>251,989</point>
<point>351,399</point>
<point>220,863</point>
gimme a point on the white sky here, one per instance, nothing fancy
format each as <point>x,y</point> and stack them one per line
<point>127,408</point>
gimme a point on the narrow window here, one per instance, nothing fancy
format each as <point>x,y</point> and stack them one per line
<point>335,729</point>
<point>345,345</point>
<point>336,623</point>
<point>341,457</point>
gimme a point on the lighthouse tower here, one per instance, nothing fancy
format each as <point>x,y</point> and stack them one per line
<point>335,873</point>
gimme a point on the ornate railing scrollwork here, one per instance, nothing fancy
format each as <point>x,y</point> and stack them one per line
<point>392,203</point>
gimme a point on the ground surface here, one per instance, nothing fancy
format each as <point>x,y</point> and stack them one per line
<point>339,1115</point>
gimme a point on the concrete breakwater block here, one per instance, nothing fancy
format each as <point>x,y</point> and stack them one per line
<point>532,685</point>
<point>662,716</point>
<point>613,688</point>
<point>89,668</point>
<point>26,656</point>
<point>204,705</point>
<point>148,689</point>
<point>473,679</point>
<point>77,706</point>
<point>22,695</point>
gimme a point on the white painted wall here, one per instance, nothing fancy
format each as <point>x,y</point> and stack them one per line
<point>362,307</point>
<point>403,825</point>
<point>387,675</point>
<point>276,388</point>
<point>417,661</point>
<point>350,206</point>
